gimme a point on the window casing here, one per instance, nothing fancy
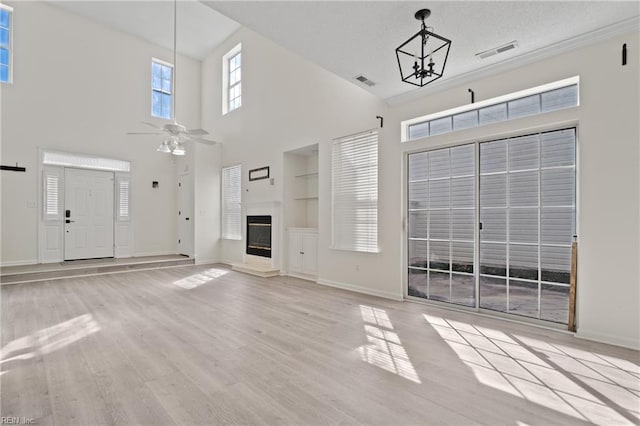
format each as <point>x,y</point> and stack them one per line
<point>235,83</point>
<point>6,42</point>
<point>231,198</point>
<point>52,197</point>
<point>354,197</point>
<point>537,100</point>
<point>232,79</point>
<point>161,89</point>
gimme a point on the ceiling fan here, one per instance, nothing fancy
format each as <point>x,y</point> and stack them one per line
<point>176,134</point>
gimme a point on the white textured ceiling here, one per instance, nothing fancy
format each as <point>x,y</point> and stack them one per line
<point>360,37</point>
<point>200,28</point>
<point>350,38</point>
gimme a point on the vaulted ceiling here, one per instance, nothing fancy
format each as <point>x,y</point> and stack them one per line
<point>350,38</point>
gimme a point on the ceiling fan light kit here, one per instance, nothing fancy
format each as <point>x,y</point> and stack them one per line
<point>422,57</point>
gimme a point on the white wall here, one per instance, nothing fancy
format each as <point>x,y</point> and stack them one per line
<point>608,171</point>
<point>207,202</point>
<point>80,86</point>
<point>289,103</point>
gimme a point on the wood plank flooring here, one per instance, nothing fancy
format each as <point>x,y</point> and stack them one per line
<point>207,345</point>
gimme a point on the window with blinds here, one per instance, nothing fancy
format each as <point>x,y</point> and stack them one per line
<point>123,199</point>
<point>231,197</point>
<point>354,178</point>
<point>51,191</point>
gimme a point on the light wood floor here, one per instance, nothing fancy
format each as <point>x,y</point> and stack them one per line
<point>205,345</point>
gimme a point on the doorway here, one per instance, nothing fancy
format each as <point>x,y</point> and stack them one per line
<point>491,224</point>
<point>88,214</point>
<point>185,216</point>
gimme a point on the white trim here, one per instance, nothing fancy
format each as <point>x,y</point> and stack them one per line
<point>404,125</point>
<point>10,10</point>
<point>170,65</point>
<point>605,33</point>
<point>311,278</point>
<point>225,76</point>
<point>21,263</point>
<point>82,161</point>
<point>364,290</point>
<point>206,261</point>
<point>608,339</point>
<point>157,253</point>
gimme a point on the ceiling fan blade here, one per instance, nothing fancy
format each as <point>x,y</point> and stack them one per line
<point>197,132</point>
<point>205,141</point>
<point>143,133</point>
<point>152,125</point>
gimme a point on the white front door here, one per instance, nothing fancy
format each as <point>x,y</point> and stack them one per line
<point>185,216</point>
<point>88,217</point>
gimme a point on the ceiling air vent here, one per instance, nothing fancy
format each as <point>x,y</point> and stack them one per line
<point>362,79</point>
<point>496,50</point>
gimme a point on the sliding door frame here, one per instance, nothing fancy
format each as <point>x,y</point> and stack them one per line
<point>544,128</point>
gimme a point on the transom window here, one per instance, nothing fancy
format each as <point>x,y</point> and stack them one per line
<point>6,15</point>
<point>537,100</point>
<point>161,89</point>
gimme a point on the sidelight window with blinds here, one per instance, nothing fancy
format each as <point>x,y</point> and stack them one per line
<point>231,198</point>
<point>354,192</point>
<point>52,199</point>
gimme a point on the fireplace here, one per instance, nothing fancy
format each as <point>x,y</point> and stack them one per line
<point>259,235</point>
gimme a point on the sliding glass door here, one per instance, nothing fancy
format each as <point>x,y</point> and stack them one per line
<point>441,225</point>
<point>524,217</point>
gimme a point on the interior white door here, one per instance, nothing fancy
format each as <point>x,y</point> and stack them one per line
<point>88,214</point>
<point>185,216</point>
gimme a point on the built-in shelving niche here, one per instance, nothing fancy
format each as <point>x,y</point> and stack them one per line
<point>301,187</point>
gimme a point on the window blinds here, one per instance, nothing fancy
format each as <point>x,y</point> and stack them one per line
<point>123,199</point>
<point>354,178</point>
<point>51,190</point>
<point>231,196</point>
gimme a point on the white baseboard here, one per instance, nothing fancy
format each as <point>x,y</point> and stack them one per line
<point>207,261</point>
<point>155,253</point>
<point>301,276</point>
<point>359,289</point>
<point>20,263</point>
<point>609,339</point>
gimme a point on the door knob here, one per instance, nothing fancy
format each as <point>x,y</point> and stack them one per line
<point>69,221</point>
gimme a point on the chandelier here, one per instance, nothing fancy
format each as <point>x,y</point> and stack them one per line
<point>422,58</point>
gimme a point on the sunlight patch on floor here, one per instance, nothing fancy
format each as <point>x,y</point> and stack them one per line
<point>384,348</point>
<point>585,385</point>
<point>49,339</point>
<point>196,280</point>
